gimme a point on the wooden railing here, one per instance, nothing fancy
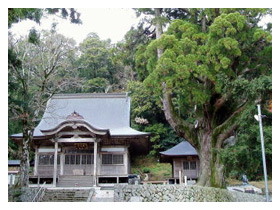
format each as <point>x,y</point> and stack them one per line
<point>39,195</point>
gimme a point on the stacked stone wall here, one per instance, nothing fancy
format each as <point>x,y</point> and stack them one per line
<point>180,193</point>
<point>24,194</point>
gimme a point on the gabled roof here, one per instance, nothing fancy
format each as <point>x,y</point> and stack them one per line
<point>181,149</point>
<point>102,111</point>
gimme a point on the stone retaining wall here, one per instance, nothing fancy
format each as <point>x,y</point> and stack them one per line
<point>25,194</point>
<point>180,193</point>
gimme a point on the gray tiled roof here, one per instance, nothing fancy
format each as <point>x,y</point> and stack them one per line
<point>102,111</point>
<point>181,149</point>
<point>13,162</point>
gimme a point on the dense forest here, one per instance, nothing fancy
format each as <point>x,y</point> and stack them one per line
<point>194,74</point>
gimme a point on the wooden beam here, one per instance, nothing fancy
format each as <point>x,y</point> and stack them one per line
<point>75,140</point>
<point>75,133</point>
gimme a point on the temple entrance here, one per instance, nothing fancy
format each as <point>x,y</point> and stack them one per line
<point>79,162</point>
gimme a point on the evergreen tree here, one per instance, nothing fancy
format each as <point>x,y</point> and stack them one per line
<point>207,75</point>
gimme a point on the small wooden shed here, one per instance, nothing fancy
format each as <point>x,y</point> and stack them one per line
<point>13,169</point>
<point>183,158</point>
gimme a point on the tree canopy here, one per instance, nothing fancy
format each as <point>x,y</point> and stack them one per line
<point>206,76</point>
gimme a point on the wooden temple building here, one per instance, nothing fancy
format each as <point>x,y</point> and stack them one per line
<point>86,137</point>
<point>184,160</point>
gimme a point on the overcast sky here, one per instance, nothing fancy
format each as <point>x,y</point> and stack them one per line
<point>108,23</point>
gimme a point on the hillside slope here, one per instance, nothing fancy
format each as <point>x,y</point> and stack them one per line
<point>156,171</point>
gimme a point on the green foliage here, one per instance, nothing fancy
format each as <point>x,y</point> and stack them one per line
<point>212,66</point>
<point>16,15</point>
<point>245,156</point>
<point>95,57</point>
<point>97,85</point>
<point>146,170</point>
<point>133,40</point>
<point>144,105</point>
<point>158,132</point>
<point>34,37</point>
<point>157,171</point>
<point>100,64</point>
<point>219,56</point>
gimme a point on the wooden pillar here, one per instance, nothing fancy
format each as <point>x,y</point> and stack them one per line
<point>38,181</point>
<point>55,163</point>
<point>185,180</point>
<point>62,160</point>
<point>36,161</point>
<point>95,164</point>
<point>125,161</point>
<point>180,176</point>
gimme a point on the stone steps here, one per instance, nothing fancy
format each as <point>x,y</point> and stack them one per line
<point>75,181</point>
<point>103,200</point>
<point>66,195</point>
<point>102,195</point>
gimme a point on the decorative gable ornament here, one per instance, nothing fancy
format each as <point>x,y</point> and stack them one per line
<point>74,116</point>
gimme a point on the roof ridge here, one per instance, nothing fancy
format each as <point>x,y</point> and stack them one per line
<point>89,95</point>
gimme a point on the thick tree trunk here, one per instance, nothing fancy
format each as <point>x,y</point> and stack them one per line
<point>211,169</point>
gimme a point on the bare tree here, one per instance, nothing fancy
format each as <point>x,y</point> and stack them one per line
<point>39,70</point>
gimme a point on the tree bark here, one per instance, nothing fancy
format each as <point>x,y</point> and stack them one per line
<point>159,30</point>
<point>211,169</point>
<point>24,161</point>
<point>206,141</point>
<point>24,166</point>
<point>181,127</point>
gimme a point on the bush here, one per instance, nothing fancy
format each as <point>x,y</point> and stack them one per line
<point>146,170</point>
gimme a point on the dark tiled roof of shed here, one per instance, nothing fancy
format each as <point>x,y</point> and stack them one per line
<point>181,149</point>
<point>13,162</point>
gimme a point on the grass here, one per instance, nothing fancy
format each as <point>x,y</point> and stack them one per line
<point>157,171</point>
<point>258,184</point>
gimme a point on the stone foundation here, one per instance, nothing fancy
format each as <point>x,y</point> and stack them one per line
<point>179,193</point>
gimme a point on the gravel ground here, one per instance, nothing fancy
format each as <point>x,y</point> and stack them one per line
<point>247,197</point>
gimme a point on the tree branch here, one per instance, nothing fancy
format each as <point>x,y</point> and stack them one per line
<point>218,104</point>
<point>223,131</point>
<point>181,127</point>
